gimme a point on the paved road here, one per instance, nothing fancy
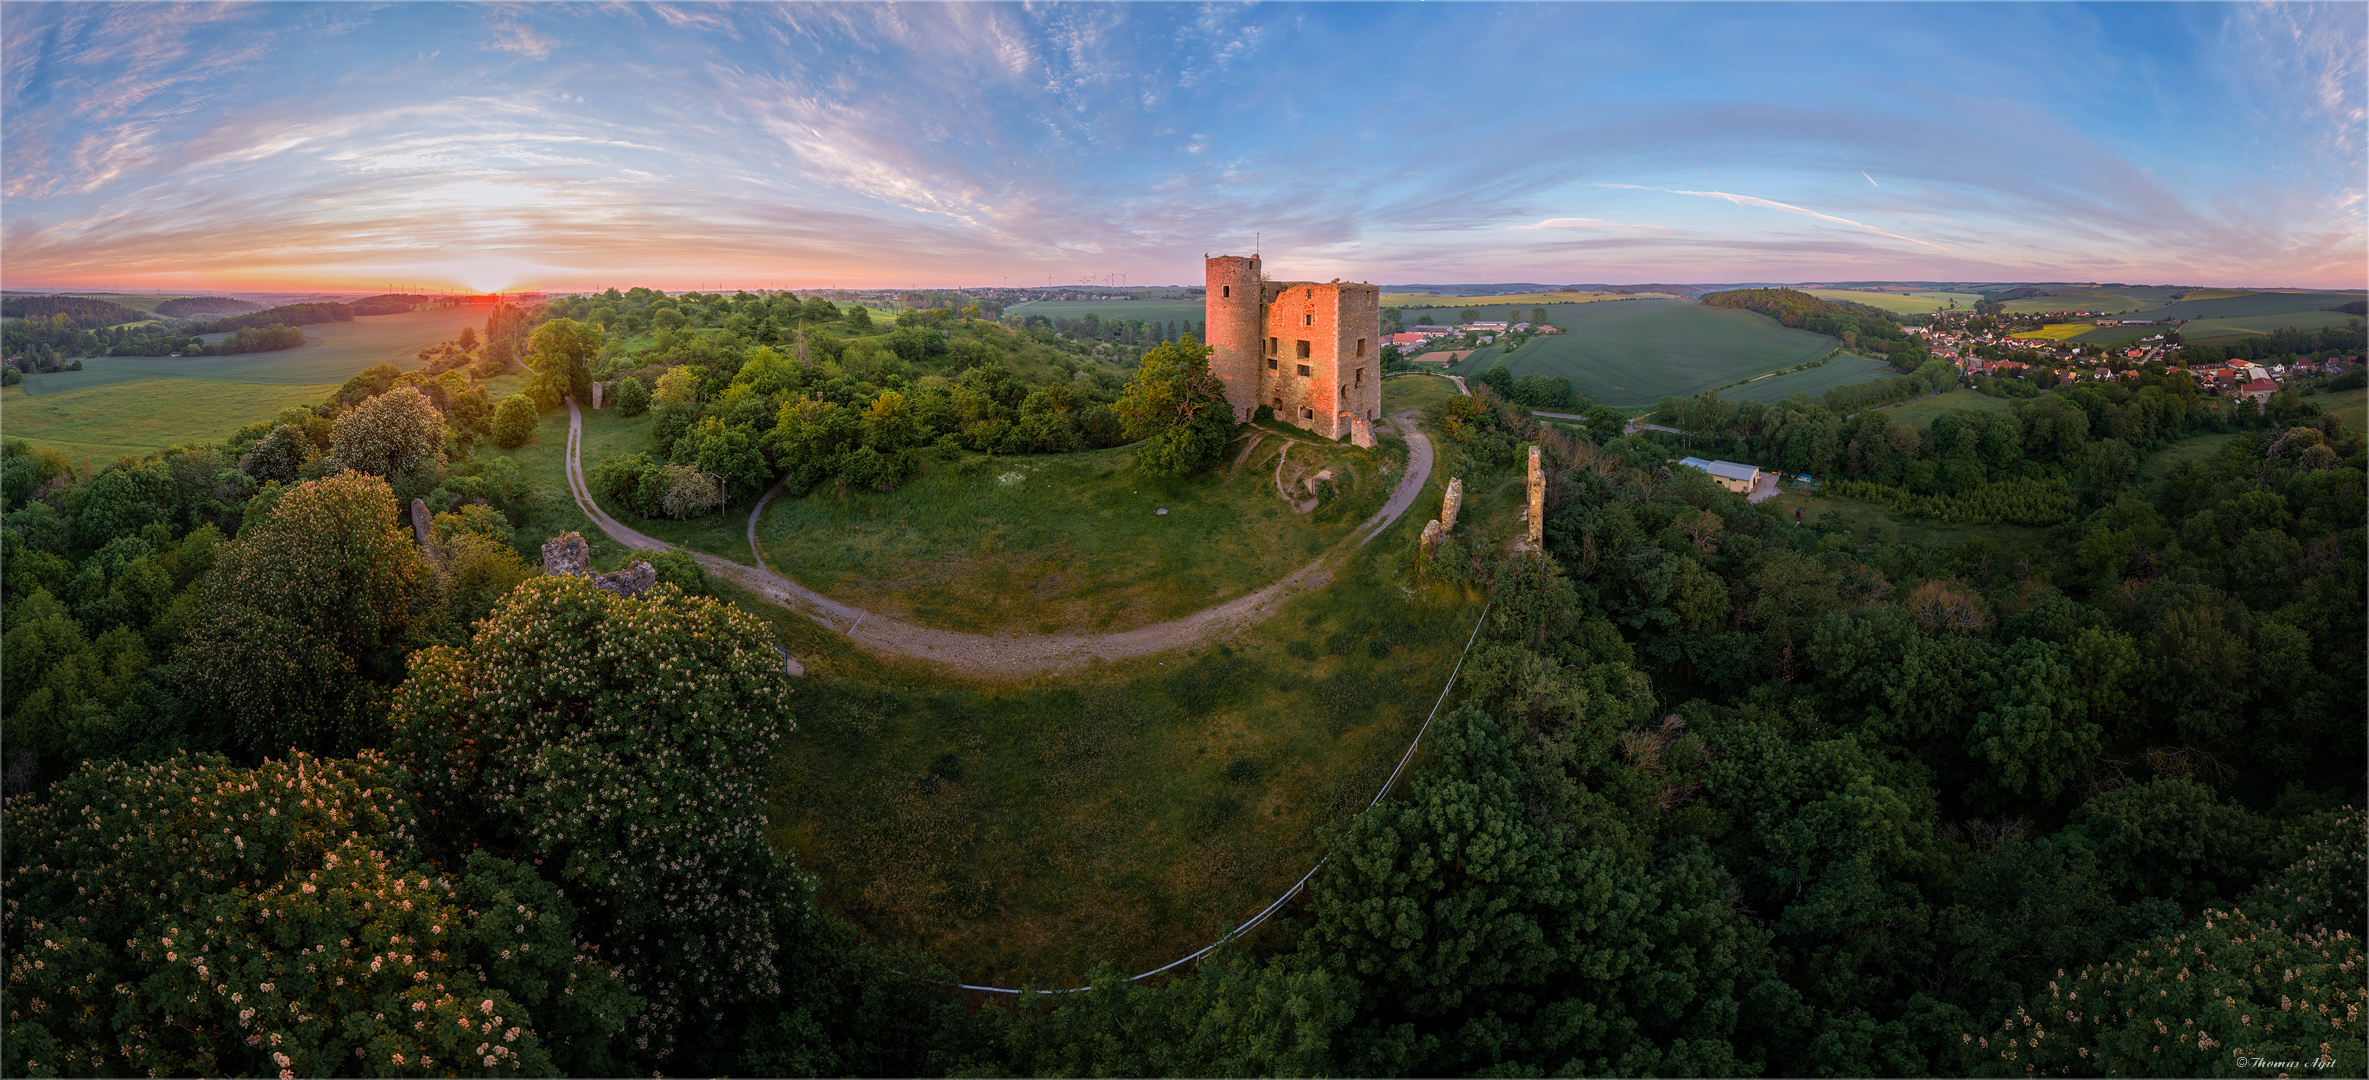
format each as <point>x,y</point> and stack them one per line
<point>1010,656</point>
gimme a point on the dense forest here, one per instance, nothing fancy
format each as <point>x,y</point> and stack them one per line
<point>189,306</point>
<point>1720,792</point>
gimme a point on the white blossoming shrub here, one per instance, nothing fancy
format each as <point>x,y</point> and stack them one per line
<point>392,435</point>
<point>194,918</point>
<point>621,744</point>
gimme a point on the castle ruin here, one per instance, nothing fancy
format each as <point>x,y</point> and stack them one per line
<point>1310,351</point>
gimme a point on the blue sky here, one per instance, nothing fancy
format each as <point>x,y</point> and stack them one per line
<point>563,146</point>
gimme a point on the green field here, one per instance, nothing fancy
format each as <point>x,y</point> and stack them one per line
<point>1181,310</point>
<point>1843,370</point>
<point>2253,303</point>
<point>120,405</point>
<point>2352,406</point>
<point>1920,413</point>
<point>95,425</point>
<point>331,353</point>
<point>2239,326</point>
<point>1909,303</point>
<point>1863,519</point>
<point>2199,449</point>
<point>2111,300</point>
<point>2116,335</point>
<point>1414,392</point>
<point>1432,301</point>
<point>1631,353</point>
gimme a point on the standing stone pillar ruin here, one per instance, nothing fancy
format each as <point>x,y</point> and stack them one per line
<point>1451,504</point>
<point>1537,503</point>
<point>1431,535</point>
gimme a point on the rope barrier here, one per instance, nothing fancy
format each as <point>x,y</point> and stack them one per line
<point>1297,887</point>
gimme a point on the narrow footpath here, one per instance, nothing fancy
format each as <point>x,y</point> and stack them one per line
<point>1010,656</point>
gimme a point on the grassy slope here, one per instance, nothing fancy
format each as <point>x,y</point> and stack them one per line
<point>1435,303</point>
<point>134,404</point>
<point>1066,543</point>
<point>1418,392</point>
<point>2250,325</point>
<point>1023,833</point>
<point>1843,370</point>
<point>1187,310</point>
<point>99,424</point>
<point>1632,353</point>
<point>1914,303</point>
<point>1860,517</point>
<point>1920,413</point>
<point>2350,405</point>
<point>332,353</point>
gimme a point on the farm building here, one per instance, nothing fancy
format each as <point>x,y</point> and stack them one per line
<point>1310,351</point>
<point>1736,478</point>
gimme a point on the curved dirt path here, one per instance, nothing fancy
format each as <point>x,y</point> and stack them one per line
<point>1008,656</point>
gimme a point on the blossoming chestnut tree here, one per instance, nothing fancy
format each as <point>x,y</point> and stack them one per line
<point>620,743</point>
<point>192,917</point>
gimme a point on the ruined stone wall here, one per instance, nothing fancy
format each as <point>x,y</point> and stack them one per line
<point>1537,503</point>
<point>1341,326</point>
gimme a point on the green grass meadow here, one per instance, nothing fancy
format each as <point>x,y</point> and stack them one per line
<point>1920,413</point>
<point>120,405</point>
<point>1181,310</point>
<point>1022,834</point>
<point>1921,302</point>
<point>1071,543</point>
<point>2352,406</point>
<point>1130,814</point>
<point>1631,353</point>
<point>331,353</point>
<point>1844,370</point>
<point>96,425</point>
<point>1414,392</point>
<point>2239,326</point>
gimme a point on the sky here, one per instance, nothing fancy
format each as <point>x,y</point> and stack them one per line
<point>555,146</point>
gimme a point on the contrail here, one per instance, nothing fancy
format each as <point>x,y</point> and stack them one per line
<point>1749,200</point>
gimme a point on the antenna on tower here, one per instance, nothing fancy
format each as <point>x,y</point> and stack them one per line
<point>1255,238</point>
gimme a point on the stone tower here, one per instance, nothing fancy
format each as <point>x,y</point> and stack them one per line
<point>1310,351</point>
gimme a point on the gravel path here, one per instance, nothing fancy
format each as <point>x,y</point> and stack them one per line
<point>1009,656</point>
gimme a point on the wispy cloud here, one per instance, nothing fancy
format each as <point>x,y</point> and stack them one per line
<point>513,36</point>
<point>822,143</point>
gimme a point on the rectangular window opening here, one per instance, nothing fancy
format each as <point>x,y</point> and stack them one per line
<point>1225,291</point>
<point>1270,363</point>
<point>1361,376</point>
<point>1272,345</point>
<point>1303,350</point>
<point>1361,346</point>
<point>1304,372</point>
<point>1307,320</point>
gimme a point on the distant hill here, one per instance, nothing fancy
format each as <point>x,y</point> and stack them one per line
<point>82,310</point>
<point>391,303</point>
<point>283,315</point>
<point>189,306</point>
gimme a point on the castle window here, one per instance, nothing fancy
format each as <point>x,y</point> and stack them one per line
<point>1311,294</point>
<point>1344,393</point>
<point>1278,404</point>
<point>1270,363</point>
<point>1361,346</point>
<point>1303,350</point>
<point>1307,413</point>
<point>1361,376</point>
<point>1272,344</point>
<point>1308,319</point>
<point>1225,291</point>
<point>1304,372</point>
